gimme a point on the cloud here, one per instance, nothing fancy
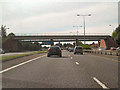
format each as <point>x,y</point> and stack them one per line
<point>58,17</point>
<point>60,1</point>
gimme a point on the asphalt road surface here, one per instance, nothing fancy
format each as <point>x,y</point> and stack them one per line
<point>69,71</point>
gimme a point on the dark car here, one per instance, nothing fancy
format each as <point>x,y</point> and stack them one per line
<point>78,49</point>
<point>71,49</point>
<point>54,50</point>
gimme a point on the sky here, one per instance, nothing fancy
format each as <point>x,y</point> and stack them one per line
<point>55,17</point>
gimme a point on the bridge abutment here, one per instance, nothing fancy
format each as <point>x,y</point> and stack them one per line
<point>107,43</point>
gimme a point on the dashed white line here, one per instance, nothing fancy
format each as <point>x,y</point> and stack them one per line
<point>5,70</point>
<point>77,63</point>
<point>71,58</point>
<point>100,83</point>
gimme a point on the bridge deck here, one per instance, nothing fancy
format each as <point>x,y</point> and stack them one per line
<point>87,37</point>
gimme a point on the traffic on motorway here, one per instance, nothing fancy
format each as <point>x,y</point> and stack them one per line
<point>66,71</point>
<point>70,49</point>
<point>56,50</point>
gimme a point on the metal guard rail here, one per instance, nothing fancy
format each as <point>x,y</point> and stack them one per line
<point>105,52</point>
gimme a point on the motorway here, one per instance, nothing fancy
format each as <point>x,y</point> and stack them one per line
<point>69,71</point>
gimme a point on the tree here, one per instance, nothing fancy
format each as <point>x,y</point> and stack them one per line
<point>11,34</point>
<point>3,31</point>
<point>93,43</point>
<point>80,43</point>
<point>64,45</point>
<point>116,35</point>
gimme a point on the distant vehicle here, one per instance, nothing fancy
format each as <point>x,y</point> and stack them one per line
<point>112,48</point>
<point>54,50</point>
<point>78,49</point>
<point>67,48</point>
<point>118,48</point>
<point>71,49</point>
<point>101,48</point>
<point>2,51</point>
<point>62,49</point>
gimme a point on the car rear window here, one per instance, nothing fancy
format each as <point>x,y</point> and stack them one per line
<point>78,47</point>
<point>54,48</point>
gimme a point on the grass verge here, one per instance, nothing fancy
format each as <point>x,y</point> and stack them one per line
<point>4,58</point>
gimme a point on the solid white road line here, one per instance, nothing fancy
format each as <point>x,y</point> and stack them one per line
<point>100,83</point>
<point>77,63</point>
<point>5,70</point>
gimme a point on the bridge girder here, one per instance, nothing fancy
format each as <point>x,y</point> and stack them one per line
<point>68,37</point>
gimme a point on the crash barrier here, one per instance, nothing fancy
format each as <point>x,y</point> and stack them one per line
<point>104,52</point>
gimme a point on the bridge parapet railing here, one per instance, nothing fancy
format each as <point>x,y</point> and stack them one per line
<point>47,34</point>
<point>104,52</point>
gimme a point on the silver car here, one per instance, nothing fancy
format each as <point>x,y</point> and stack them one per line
<point>118,48</point>
<point>101,48</point>
<point>2,51</point>
<point>78,49</point>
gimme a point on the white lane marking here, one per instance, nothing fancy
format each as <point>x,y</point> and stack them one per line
<point>71,58</point>
<point>5,70</point>
<point>100,83</point>
<point>77,63</point>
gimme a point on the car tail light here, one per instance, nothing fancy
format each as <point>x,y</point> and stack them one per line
<point>54,50</point>
<point>48,49</point>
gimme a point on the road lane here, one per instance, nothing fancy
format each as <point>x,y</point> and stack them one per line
<point>52,72</point>
<point>104,69</point>
<point>55,72</point>
<point>13,62</point>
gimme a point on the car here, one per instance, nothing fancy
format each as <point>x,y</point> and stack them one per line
<point>78,49</point>
<point>2,51</point>
<point>62,49</point>
<point>112,48</point>
<point>54,50</point>
<point>101,48</point>
<point>118,48</point>
<point>71,49</point>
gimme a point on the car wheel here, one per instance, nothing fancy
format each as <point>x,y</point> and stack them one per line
<point>60,55</point>
<point>48,55</point>
<point>81,53</point>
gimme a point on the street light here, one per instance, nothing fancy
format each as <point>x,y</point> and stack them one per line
<point>77,28</point>
<point>84,23</point>
<point>111,26</point>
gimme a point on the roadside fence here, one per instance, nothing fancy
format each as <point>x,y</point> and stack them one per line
<point>104,52</point>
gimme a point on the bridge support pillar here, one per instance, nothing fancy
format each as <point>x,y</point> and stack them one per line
<point>107,43</point>
<point>52,42</point>
<point>99,43</point>
<point>76,43</point>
